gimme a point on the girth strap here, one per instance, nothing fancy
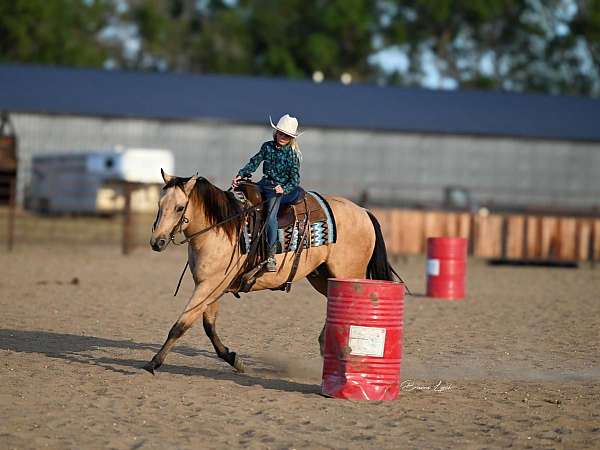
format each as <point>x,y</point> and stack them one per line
<point>295,263</point>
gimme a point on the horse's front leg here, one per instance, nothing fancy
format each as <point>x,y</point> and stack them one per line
<point>203,295</point>
<point>209,322</point>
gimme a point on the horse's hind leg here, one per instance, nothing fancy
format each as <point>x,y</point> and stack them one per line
<point>209,321</point>
<point>334,268</point>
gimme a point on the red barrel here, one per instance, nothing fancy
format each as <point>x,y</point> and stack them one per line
<point>446,267</point>
<point>363,339</point>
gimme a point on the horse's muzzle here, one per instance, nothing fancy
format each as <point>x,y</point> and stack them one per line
<point>158,244</point>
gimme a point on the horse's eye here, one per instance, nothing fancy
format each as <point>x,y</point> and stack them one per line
<point>179,208</point>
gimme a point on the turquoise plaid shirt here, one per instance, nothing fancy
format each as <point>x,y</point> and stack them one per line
<point>281,166</point>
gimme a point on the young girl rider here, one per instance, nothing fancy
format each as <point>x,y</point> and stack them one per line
<point>281,175</point>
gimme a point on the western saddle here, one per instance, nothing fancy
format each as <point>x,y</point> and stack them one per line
<point>305,207</point>
<point>302,213</point>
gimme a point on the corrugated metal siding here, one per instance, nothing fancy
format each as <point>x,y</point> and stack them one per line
<point>249,100</point>
<point>392,166</point>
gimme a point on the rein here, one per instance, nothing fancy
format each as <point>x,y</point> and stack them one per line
<point>191,237</point>
<point>198,233</point>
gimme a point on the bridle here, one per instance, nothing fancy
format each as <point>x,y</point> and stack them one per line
<point>182,220</point>
<point>178,228</point>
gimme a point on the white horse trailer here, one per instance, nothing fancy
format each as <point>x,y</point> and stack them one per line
<point>92,182</point>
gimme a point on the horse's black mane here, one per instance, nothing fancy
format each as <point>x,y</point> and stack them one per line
<point>218,205</point>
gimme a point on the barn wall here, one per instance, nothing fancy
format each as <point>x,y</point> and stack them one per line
<point>391,166</point>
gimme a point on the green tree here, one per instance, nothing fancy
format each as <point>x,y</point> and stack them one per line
<point>584,30</point>
<point>268,37</point>
<point>53,32</point>
<point>334,36</point>
<point>525,45</point>
<point>532,45</point>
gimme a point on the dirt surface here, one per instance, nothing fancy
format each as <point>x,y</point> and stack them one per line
<point>517,364</point>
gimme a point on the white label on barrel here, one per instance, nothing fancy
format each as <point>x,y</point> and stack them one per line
<point>366,341</point>
<point>433,267</point>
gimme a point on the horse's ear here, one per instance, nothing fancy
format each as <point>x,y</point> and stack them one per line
<point>166,177</point>
<point>189,185</point>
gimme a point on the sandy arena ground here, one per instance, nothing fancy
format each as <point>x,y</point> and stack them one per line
<point>517,364</point>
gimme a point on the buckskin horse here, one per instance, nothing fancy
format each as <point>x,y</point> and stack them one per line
<point>203,213</point>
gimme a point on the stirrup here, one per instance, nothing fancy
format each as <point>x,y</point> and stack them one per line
<point>271,265</point>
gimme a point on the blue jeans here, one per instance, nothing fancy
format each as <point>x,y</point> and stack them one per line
<point>273,204</point>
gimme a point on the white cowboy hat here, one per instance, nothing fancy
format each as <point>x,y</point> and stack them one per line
<point>287,125</point>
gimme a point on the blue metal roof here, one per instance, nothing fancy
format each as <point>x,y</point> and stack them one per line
<point>242,99</point>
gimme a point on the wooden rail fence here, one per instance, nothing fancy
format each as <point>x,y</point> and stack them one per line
<point>506,236</point>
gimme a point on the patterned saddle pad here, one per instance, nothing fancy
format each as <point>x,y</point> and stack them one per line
<point>321,228</point>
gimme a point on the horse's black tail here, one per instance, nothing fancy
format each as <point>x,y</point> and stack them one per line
<point>379,267</point>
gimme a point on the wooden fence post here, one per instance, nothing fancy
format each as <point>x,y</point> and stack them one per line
<point>12,206</point>
<point>127,222</point>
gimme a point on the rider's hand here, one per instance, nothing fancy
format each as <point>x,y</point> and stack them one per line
<point>278,189</point>
<point>234,182</point>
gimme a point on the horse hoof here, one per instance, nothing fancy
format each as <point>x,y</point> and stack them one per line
<point>149,367</point>
<point>238,364</point>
